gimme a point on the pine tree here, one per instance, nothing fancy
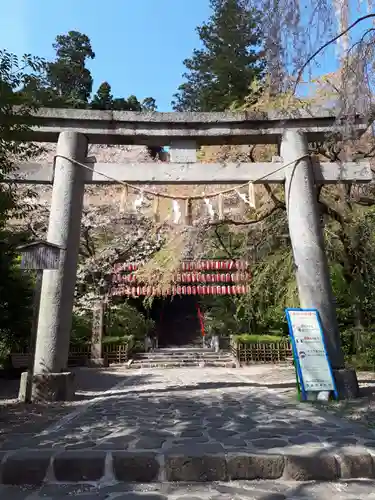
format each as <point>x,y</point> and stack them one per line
<point>229,62</point>
<point>103,99</point>
<point>68,76</point>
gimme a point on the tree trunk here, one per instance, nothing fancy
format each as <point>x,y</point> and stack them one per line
<point>97,332</point>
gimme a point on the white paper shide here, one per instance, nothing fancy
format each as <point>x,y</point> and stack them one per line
<point>315,370</point>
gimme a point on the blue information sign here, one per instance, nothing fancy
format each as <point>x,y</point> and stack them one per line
<point>313,368</point>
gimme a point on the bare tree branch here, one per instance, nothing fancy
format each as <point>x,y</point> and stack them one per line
<point>331,212</point>
<point>324,46</point>
<point>273,197</point>
<point>251,154</point>
<point>223,246</point>
<point>250,222</point>
<point>365,201</point>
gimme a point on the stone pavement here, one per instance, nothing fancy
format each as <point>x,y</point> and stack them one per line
<point>197,424</point>
<point>237,490</point>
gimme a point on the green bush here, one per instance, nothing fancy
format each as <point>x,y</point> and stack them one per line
<point>125,340</point>
<point>81,329</point>
<point>359,347</point>
<point>247,338</point>
<point>126,321</point>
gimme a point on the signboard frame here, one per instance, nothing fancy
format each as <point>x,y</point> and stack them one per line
<point>300,381</point>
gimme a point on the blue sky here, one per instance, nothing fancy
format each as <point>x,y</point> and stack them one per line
<point>139,44</point>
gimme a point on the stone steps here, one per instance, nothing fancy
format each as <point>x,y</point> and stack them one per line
<point>181,357</point>
<point>176,351</point>
<point>43,466</point>
<point>179,364</point>
<point>169,357</point>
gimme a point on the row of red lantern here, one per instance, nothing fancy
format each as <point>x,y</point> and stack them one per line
<point>215,265</point>
<point>180,290</point>
<point>192,278</point>
<point>202,265</point>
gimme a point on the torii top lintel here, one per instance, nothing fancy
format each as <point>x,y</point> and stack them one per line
<point>154,128</point>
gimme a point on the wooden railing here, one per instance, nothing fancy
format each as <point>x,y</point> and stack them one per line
<point>247,354</point>
<point>80,355</point>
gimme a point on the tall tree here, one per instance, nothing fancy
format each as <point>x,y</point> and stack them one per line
<point>223,70</point>
<point>103,99</point>
<point>68,73</point>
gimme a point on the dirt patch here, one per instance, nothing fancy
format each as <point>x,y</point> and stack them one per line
<point>361,410</point>
<point>282,378</point>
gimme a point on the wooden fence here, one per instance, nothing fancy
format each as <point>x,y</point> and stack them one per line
<point>80,355</point>
<point>277,352</point>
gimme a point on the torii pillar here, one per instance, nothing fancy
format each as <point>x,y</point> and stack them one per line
<point>310,259</point>
<point>51,379</point>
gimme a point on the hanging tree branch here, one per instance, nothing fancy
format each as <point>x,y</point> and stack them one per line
<point>325,45</point>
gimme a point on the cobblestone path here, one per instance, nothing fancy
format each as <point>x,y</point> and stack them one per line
<point>213,409</point>
<point>244,490</point>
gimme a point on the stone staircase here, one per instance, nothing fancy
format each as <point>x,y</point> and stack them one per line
<point>183,357</point>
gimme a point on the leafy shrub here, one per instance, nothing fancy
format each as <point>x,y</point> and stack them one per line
<point>125,340</point>
<point>247,338</point>
<point>126,321</point>
<point>81,329</point>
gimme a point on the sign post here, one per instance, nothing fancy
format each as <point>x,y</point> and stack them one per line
<point>314,372</point>
<point>37,256</point>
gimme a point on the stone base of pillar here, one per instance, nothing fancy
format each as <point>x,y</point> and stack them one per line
<point>49,387</point>
<point>98,363</point>
<point>346,383</point>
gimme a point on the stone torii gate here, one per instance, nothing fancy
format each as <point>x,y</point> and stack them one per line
<point>183,132</point>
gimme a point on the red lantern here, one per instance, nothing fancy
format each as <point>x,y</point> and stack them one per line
<point>194,290</point>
